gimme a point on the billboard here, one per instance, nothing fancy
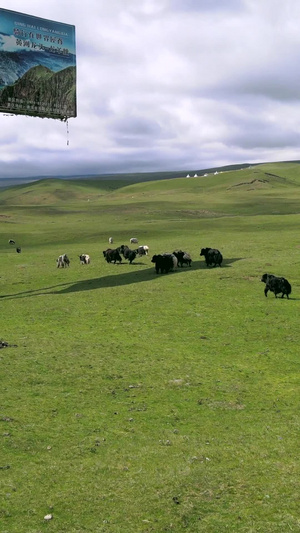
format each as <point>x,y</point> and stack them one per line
<point>37,66</point>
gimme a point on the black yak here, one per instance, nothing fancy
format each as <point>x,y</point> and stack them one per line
<point>276,285</point>
<point>183,258</point>
<point>112,256</point>
<point>163,263</point>
<point>212,256</point>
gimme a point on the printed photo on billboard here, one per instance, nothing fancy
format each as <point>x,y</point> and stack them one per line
<point>37,66</point>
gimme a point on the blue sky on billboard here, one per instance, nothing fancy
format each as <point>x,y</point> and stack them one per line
<point>11,20</point>
<point>174,84</point>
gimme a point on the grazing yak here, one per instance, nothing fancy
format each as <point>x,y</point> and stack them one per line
<point>183,258</point>
<point>212,256</point>
<point>11,241</point>
<point>276,285</point>
<point>128,254</point>
<point>133,240</point>
<point>163,263</point>
<point>112,256</point>
<point>110,240</point>
<point>63,261</point>
<point>18,250</point>
<point>143,250</point>
<point>173,257</point>
<point>140,251</point>
<point>131,255</point>
<point>84,259</point>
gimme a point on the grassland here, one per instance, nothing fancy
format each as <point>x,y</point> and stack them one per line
<point>132,402</point>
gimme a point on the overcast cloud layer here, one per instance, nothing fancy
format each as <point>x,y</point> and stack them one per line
<point>167,85</point>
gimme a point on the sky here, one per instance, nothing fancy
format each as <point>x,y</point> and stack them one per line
<point>167,85</point>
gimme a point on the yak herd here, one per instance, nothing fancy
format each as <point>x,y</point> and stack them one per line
<point>167,262</point>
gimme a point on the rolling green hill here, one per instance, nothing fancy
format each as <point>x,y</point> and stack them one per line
<point>137,402</point>
<point>260,189</point>
<point>52,191</point>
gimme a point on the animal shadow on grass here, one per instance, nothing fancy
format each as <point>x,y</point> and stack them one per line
<point>116,279</point>
<point>228,260</point>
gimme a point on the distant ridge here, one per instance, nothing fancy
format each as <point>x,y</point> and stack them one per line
<point>131,176</point>
<point>136,177</point>
<point>277,183</point>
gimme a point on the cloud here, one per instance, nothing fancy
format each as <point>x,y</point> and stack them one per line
<point>165,85</point>
<point>206,5</point>
<point>8,43</point>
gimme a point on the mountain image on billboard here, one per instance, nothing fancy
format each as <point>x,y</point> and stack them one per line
<point>37,66</point>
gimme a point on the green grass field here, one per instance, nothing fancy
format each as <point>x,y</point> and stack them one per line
<point>136,402</point>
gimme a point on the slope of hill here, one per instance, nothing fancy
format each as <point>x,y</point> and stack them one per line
<point>261,189</point>
<point>57,191</point>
